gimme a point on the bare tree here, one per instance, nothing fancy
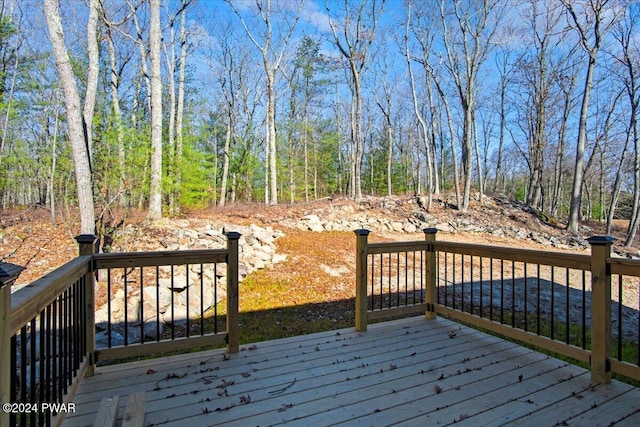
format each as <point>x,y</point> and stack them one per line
<point>182,67</point>
<point>93,52</point>
<point>267,42</point>
<point>591,22</point>
<point>628,70</point>
<point>469,30</point>
<point>353,37</point>
<point>77,136</point>
<point>155,184</point>
<point>425,38</point>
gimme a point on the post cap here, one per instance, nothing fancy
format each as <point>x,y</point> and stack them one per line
<point>601,240</point>
<point>232,235</point>
<point>430,230</point>
<point>9,273</point>
<point>86,239</point>
<point>362,232</point>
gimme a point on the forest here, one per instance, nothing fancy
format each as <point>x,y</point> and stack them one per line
<point>172,105</point>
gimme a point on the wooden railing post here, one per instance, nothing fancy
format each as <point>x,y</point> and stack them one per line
<point>431,296</point>
<point>8,275</point>
<point>87,246</point>
<point>233,317</point>
<point>362,237</point>
<point>600,309</point>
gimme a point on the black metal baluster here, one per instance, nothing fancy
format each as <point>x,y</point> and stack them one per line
<point>202,299</point>
<point>173,321</point>
<point>462,295</point>
<point>186,279</point>
<point>501,291</point>
<point>526,305</point>
<point>13,393</point>
<point>23,372</point>
<point>43,360</point>
<point>553,300</point>
<point>109,317</point>
<point>54,351</point>
<point>125,284</point>
<point>584,309</point>
<point>491,289</point>
<point>620,303</point>
<point>481,288</point>
<point>538,302</point>
<point>471,282</point>
<point>157,303</point>
<point>567,318</point>
<point>32,369</point>
<point>141,313</point>
<point>215,297</point>
<point>513,294</point>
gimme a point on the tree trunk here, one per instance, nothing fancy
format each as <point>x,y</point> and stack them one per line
<point>155,185</point>
<point>180,106</point>
<point>93,52</point>
<point>578,171</point>
<point>117,118</point>
<point>170,58</point>
<point>74,118</point>
<point>225,161</point>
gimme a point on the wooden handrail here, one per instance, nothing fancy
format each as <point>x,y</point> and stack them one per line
<point>625,267</point>
<point>556,259</point>
<point>159,258</point>
<point>20,308</point>
<point>599,263</point>
<point>33,298</point>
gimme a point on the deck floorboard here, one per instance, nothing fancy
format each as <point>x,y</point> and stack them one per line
<point>409,372</point>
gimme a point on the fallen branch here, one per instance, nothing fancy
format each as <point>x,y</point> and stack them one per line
<point>283,389</point>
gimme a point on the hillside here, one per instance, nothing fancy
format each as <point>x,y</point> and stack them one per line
<point>29,238</point>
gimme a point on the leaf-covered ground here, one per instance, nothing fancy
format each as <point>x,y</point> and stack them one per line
<point>313,290</point>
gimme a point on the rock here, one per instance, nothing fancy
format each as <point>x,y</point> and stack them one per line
<point>313,223</point>
<point>396,226</point>
<point>102,340</point>
<point>409,228</point>
<point>422,216</point>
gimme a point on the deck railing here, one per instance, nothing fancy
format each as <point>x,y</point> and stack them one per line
<point>48,328</point>
<point>557,301</point>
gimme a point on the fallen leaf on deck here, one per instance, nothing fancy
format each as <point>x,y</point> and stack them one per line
<point>285,406</point>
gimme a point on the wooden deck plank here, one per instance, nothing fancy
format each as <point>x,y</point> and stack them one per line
<point>618,408</point>
<point>107,414</point>
<point>283,360</point>
<point>489,395</point>
<point>314,397</point>
<point>325,371</point>
<point>412,371</point>
<point>592,398</point>
<point>433,399</point>
<point>134,413</point>
<point>523,406</point>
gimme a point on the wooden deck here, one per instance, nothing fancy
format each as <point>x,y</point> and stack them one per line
<point>409,372</point>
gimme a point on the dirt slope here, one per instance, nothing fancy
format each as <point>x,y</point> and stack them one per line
<point>29,238</point>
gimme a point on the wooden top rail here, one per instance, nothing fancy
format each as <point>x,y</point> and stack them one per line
<point>33,298</point>
<point>623,266</point>
<point>393,247</point>
<point>160,258</point>
<point>557,259</point>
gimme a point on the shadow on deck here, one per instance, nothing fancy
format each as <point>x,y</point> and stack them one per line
<point>403,372</point>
